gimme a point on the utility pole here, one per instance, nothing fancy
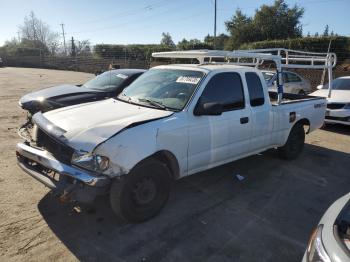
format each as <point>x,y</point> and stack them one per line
<point>215,25</point>
<point>64,39</point>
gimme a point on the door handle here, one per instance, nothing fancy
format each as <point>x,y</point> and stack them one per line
<point>244,120</point>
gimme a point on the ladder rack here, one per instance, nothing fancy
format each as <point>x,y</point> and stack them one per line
<point>286,58</point>
<point>283,58</point>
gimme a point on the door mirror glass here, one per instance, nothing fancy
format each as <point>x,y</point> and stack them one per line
<point>208,109</point>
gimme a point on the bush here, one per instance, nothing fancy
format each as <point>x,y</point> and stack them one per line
<point>340,45</point>
<point>137,52</point>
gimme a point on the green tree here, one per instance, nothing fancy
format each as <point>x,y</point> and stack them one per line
<point>167,40</point>
<point>220,41</point>
<point>241,30</point>
<point>25,47</point>
<point>277,21</point>
<point>326,31</point>
<point>192,44</point>
<point>72,48</point>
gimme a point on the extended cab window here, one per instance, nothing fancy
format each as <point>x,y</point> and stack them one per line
<point>226,89</point>
<point>255,89</point>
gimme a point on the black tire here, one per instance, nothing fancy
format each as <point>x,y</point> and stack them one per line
<point>142,193</point>
<point>302,92</point>
<point>294,144</point>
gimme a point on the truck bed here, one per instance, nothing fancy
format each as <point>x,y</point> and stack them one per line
<point>291,98</point>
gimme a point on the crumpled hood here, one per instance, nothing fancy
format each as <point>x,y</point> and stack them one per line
<point>53,92</point>
<point>337,96</point>
<point>88,125</point>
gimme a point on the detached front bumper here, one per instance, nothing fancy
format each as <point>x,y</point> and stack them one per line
<point>81,184</point>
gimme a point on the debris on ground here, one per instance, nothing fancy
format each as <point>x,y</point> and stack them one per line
<point>239,177</point>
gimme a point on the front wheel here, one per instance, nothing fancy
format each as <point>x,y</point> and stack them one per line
<point>294,144</point>
<point>142,193</point>
<point>302,92</point>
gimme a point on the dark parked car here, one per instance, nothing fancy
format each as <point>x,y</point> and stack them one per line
<point>106,85</point>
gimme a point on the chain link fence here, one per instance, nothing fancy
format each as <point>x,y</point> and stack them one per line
<point>93,64</point>
<point>88,64</point>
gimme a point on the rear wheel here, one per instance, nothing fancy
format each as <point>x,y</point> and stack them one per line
<point>142,193</point>
<point>294,144</point>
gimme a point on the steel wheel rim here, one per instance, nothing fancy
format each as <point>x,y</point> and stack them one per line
<point>145,191</point>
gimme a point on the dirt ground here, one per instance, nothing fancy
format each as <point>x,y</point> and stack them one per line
<point>210,216</point>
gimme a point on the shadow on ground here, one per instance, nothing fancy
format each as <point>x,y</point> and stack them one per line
<point>337,128</point>
<point>213,216</point>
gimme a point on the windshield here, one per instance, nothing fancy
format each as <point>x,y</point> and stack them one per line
<point>163,88</point>
<point>339,84</point>
<point>268,76</point>
<point>108,81</point>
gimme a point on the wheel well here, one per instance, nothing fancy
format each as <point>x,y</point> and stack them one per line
<point>170,160</point>
<point>304,122</point>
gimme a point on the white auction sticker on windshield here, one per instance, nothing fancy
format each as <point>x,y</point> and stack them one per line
<point>188,80</point>
<point>122,76</point>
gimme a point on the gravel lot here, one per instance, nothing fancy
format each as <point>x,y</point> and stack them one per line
<point>211,216</point>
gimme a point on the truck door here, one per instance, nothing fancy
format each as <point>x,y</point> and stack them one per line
<point>216,139</point>
<point>262,118</point>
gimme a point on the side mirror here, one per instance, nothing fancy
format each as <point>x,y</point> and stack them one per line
<point>208,109</point>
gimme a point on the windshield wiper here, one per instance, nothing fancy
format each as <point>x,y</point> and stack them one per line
<point>125,98</point>
<point>153,103</point>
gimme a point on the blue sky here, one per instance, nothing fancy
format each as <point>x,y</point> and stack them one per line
<point>143,21</point>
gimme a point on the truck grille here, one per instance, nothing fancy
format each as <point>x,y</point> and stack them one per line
<point>335,106</point>
<point>61,152</point>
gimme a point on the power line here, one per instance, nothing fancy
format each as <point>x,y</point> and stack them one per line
<point>134,22</point>
<point>148,7</point>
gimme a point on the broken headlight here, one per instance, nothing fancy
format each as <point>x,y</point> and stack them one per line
<point>90,161</point>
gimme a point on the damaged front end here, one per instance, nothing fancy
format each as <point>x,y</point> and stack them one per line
<point>45,157</point>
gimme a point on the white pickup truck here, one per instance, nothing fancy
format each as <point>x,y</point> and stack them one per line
<point>173,121</point>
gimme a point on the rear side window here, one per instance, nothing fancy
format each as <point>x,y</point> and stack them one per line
<point>256,92</point>
<point>226,89</point>
<point>290,78</point>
